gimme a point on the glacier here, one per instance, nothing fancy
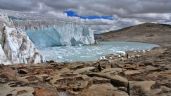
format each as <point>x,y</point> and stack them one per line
<point>63,34</point>
<point>49,32</point>
<point>15,45</point>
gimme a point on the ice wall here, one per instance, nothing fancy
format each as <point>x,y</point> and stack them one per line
<point>68,34</point>
<point>53,33</point>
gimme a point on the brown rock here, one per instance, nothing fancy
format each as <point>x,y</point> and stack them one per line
<point>103,90</point>
<point>8,73</point>
<point>104,64</point>
<point>22,71</point>
<point>76,66</point>
<point>132,72</point>
<point>84,70</point>
<point>72,83</point>
<point>44,92</point>
<point>42,71</point>
<point>166,74</point>
<point>6,90</point>
<point>145,85</point>
<point>113,70</point>
<point>140,87</point>
<point>33,78</point>
<point>99,80</point>
<point>151,68</point>
<point>115,79</point>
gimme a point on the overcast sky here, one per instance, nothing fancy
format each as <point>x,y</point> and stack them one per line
<point>124,12</point>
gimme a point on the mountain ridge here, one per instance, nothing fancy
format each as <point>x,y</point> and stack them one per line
<point>146,32</point>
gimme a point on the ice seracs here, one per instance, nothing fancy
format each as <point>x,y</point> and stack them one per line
<point>16,45</point>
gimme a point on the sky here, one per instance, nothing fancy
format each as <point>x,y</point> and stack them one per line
<point>114,14</point>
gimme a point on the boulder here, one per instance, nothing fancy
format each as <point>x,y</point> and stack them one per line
<point>141,87</point>
<point>8,73</point>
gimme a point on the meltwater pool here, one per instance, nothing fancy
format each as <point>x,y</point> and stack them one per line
<point>91,52</point>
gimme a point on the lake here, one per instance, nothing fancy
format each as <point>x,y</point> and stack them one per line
<point>91,52</point>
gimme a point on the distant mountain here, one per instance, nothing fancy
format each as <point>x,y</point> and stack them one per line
<point>147,32</point>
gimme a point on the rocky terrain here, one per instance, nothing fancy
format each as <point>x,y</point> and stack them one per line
<point>135,74</point>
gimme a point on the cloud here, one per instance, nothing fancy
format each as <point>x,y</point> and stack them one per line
<point>18,5</point>
<point>124,12</point>
<point>122,8</point>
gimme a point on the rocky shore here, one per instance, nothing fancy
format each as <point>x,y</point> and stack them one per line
<point>134,74</point>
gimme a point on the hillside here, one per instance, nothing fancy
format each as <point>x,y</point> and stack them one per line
<point>147,32</point>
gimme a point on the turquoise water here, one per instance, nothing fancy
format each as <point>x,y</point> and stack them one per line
<point>91,52</point>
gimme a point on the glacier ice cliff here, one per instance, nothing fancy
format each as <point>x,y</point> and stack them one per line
<point>15,45</point>
<point>68,34</point>
<point>55,33</point>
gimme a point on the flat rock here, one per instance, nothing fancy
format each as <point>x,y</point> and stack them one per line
<point>77,83</point>
<point>115,79</point>
<point>151,68</point>
<point>113,70</point>
<point>99,80</point>
<point>6,90</point>
<point>166,74</point>
<point>45,92</point>
<point>132,72</point>
<point>84,70</point>
<point>103,90</point>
